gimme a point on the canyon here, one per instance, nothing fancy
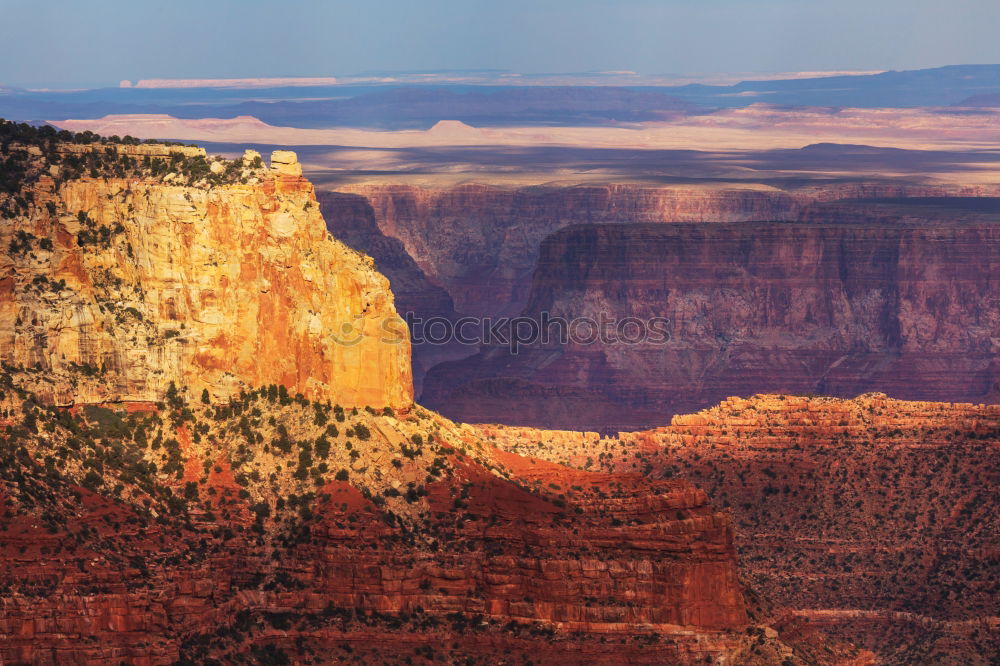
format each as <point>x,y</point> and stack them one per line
<point>209,448</point>
<point>810,290</point>
<point>198,465</point>
<point>869,287</point>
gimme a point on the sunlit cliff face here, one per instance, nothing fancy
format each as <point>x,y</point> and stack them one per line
<point>123,286</point>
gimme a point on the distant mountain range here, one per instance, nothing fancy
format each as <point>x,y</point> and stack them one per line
<point>940,86</point>
<point>383,105</point>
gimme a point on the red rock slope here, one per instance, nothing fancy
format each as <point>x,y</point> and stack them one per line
<point>276,525</point>
<point>875,519</point>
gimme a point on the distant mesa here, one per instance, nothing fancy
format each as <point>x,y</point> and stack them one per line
<point>245,128</point>
<point>454,129</point>
<point>161,125</point>
<point>232,83</point>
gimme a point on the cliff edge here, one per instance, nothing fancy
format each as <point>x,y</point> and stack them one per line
<point>125,268</point>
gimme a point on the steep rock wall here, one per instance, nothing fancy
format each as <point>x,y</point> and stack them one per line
<point>351,219</point>
<point>480,241</point>
<point>125,285</point>
<point>834,309</point>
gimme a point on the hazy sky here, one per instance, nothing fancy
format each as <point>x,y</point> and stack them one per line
<point>99,42</point>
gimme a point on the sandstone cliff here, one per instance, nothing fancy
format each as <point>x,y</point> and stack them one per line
<point>113,287</point>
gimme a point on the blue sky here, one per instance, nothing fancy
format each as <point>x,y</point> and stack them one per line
<point>99,42</point>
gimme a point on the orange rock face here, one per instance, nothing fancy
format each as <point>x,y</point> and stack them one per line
<point>351,219</point>
<point>124,286</point>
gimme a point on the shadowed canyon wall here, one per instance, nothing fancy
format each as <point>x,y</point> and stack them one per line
<point>833,309</point>
<point>481,243</point>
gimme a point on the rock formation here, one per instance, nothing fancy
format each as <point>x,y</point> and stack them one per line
<point>286,163</point>
<point>872,519</point>
<point>904,306</point>
<point>113,287</point>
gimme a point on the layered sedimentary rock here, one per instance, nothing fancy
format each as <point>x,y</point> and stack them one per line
<point>232,534</point>
<point>162,150</point>
<point>874,520</point>
<point>480,241</point>
<point>112,288</point>
<point>910,308</point>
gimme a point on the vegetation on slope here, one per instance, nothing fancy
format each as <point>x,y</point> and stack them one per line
<point>872,504</point>
<point>254,496</point>
<point>28,152</point>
